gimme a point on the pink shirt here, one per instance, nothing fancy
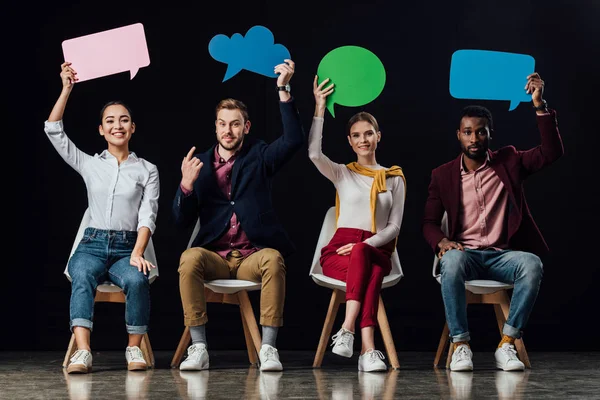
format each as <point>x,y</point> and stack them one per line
<point>482,217</point>
<point>235,237</point>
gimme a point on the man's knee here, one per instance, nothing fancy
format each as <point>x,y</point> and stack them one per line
<point>192,260</point>
<point>453,263</point>
<point>531,266</point>
<point>272,262</point>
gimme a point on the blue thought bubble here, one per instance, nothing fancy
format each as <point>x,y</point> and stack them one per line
<point>255,52</point>
<point>490,75</point>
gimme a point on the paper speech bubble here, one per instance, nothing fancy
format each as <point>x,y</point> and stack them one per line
<point>255,52</point>
<point>358,74</point>
<point>108,52</point>
<point>490,75</point>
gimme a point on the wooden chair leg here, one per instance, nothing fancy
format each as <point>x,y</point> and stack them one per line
<point>386,333</point>
<point>334,304</point>
<point>499,317</point>
<point>70,350</point>
<point>449,358</point>
<point>185,340</point>
<point>520,346</point>
<point>248,316</point>
<point>249,344</point>
<point>147,351</point>
<point>441,346</point>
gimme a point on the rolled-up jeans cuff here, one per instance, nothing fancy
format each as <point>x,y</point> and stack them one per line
<point>137,330</point>
<point>84,323</point>
<point>511,331</point>
<point>463,337</point>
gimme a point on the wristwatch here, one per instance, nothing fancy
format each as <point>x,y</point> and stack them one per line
<point>286,88</point>
<point>542,107</point>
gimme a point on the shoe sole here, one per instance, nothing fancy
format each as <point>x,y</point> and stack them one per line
<point>373,370</point>
<point>200,368</point>
<point>462,369</point>
<point>498,365</point>
<point>78,369</point>
<point>341,354</point>
<point>136,366</point>
<point>276,369</point>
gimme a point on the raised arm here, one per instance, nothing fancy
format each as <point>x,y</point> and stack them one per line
<point>325,166</point>
<point>54,125</point>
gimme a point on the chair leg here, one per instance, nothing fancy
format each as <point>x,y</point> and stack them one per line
<point>249,344</point>
<point>147,351</point>
<point>70,350</point>
<point>441,346</point>
<point>499,317</point>
<point>449,357</point>
<point>334,305</point>
<point>521,351</point>
<point>386,333</point>
<point>248,316</point>
<point>185,340</point>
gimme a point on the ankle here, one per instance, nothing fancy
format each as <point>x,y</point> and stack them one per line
<point>507,339</point>
<point>456,344</point>
<point>347,328</point>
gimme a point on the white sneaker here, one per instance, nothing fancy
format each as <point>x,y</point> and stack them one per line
<point>197,358</point>
<point>506,358</point>
<point>269,358</point>
<point>462,359</point>
<point>371,361</point>
<point>80,362</point>
<point>135,359</point>
<point>343,343</point>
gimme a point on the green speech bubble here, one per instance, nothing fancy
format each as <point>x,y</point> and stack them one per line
<point>358,74</point>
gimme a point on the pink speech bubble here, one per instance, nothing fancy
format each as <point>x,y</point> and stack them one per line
<point>108,52</point>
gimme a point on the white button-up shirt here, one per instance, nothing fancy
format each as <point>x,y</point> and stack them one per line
<point>120,197</point>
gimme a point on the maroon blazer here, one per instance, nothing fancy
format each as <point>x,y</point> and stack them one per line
<point>512,167</point>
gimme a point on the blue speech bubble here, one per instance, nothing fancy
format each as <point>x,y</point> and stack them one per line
<point>490,75</point>
<point>255,52</point>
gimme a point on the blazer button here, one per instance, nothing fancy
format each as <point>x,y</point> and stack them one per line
<point>233,202</point>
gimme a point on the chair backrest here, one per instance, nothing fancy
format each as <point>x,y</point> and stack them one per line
<point>149,253</point>
<point>327,230</point>
<point>436,260</point>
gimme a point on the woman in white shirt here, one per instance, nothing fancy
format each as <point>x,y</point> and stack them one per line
<point>122,191</point>
<point>369,208</point>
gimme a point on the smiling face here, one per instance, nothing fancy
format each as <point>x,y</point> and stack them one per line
<point>117,126</point>
<point>363,138</point>
<point>231,129</point>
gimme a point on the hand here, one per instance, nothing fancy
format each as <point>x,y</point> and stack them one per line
<point>67,75</point>
<point>190,169</point>
<point>285,71</point>
<point>446,245</point>
<point>535,86</point>
<point>321,93</point>
<point>345,249</point>
<point>142,264</point>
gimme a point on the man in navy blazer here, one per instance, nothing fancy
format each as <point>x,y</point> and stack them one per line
<point>491,233</point>
<point>228,188</point>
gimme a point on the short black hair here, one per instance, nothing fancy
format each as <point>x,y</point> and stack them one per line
<point>115,103</point>
<point>478,112</point>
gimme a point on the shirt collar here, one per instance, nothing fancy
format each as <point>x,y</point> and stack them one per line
<point>106,156</point>
<point>484,165</point>
<point>220,159</point>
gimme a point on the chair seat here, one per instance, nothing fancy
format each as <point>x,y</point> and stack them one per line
<point>108,287</point>
<point>326,281</point>
<point>230,286</point>
<point>482,286</point>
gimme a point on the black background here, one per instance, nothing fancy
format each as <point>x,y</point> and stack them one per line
<point>173,101</point>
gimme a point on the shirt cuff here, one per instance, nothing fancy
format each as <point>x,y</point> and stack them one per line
<point>148,223</point>
<point>53,127</point>
<point>186,192</point>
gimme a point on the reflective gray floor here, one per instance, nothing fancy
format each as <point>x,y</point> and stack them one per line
<point>554,376</point>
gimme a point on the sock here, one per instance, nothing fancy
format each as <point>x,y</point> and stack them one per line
<point>506,339</point>
<point>456,344</point>
<point>198,334</point>
<point>269,335</point>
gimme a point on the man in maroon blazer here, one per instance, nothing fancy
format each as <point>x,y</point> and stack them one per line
<point>491,233</point>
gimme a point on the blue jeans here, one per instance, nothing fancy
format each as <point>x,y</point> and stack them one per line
<point>521,269</point>
<point>104,255</point>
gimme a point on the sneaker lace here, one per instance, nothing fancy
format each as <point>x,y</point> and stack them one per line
<point>510,352</point>
<point>80,355</point>
<point>194,351</point>
<point>135,353</point>
<point>373,355</point>
<point>462,353</point>
<point>343,337</point>
<point>270,353</point>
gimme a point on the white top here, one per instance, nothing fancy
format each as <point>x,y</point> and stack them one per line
<point>120,197</point>
<point>354,191</point>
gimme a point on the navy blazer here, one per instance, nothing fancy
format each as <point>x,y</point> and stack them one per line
<point>512,167</point>
<point>251,182</point>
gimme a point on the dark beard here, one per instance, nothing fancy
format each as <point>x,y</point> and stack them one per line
<point>478,156</point>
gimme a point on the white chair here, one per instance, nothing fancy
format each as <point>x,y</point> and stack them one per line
<point>338,297</point>
<point>479,291</point>
<point>227,291</point>
<point>108,292</point>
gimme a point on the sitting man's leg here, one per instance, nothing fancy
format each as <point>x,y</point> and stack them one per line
<point>267,266</point>
<point>195,266</point>
<point>523,270</point>
<point>457,267</point>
